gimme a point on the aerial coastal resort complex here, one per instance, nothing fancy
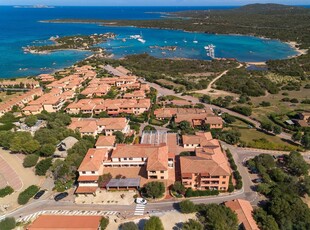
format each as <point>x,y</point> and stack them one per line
<point>155,118</point>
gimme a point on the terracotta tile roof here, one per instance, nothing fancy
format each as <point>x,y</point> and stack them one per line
<point>244,210</point>
<point>93,160</point>
<point>60,222</point>
<point>157,156</point>
<point>194,164</point>
<point>33,108</point>
<point>209,159</point>
<point>199,138</point>
<point>88,178</point>
<point>180,102</point>
<point>105,141</point>
<point>85,190</point>
<point>113,123</point>
<point>214,120</point>
<point>170,112</point>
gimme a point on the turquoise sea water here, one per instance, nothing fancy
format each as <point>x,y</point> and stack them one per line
<point>20,27</point>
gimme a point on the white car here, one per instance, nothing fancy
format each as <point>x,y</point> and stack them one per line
<point>140,201</point>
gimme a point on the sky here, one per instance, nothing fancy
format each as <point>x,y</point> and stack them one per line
<point>148,2</point>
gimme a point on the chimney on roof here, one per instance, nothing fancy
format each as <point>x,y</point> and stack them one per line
<point>91,156</point>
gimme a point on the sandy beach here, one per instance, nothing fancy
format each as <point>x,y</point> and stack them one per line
<point>295,46</point>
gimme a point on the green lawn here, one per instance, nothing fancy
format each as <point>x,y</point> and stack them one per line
<point>274,142</point>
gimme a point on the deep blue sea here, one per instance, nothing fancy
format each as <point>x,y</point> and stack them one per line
<point>21,27</point>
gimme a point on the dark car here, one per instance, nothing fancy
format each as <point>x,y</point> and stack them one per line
<point>60,196</point>
<point>39,194</point>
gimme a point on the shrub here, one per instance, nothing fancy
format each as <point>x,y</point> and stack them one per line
<point>178,187</point>
<point>191,193</point>
<point>104,222</point>
<point>154,223</point>
<point>43,166</point>
<point>294,100</point>
<point>155,189</point>
<point>265,103</point>
<point>31,120</point>
<point>8,223</point>
<point>187,206</point>
<point>30,160</point>
<point>6,191</point>
<point>129,226</point>
<point>27,194</point>
<point>247,111</point>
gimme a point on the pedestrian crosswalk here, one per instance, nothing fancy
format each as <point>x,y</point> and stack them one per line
<point>67,212</point>
<point>139,211</point>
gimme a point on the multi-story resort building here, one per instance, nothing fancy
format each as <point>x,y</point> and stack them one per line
<point>111,106</point>
<point>209,169</point>
<point>196,117</point>
<point>20,101</point>
<point>106,126</point>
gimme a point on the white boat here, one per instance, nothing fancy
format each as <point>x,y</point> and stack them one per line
<point>135,36</point>
<point>210,50</point>
<point>184,40</point>
<point>141,40</point>
<point>195,40</point>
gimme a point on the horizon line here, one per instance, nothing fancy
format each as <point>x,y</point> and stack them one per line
<point>151,5</point>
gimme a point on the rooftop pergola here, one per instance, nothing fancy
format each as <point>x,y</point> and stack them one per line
<point>124,183</point>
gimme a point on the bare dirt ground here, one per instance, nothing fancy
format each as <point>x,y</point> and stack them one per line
<point>105,197</point>
<point>171,220</point>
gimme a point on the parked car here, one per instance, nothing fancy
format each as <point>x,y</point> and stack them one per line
<point>140,201</point>
<point>39,194</point>
<point>258,180</point>
<point>60,196</point>
<point>253,171</point>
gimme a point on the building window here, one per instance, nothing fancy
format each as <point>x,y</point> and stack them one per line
<point>223,182</point>
<point>162,171</point>
<point>83,172</point>
<point>224,176</point>
<point>125,159</point>
<point>93,172</point>
<point>130,158</point>
<point>162,177</point>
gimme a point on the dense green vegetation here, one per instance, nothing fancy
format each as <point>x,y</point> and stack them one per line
<point>154,223</point>
<point>8,223</point>
<point>217,217</point>
<point>104,222</point>
<point>43,166</point>
<point>284,183</point>
<point>27,194</point>
<point>187,206</point>
<point>154,189</point>
<point>129,226</point>
<point>236,173</point>
<point>192,224</point>
<point>250,83</point>
<point>6,191</point>
<point>30,160</point>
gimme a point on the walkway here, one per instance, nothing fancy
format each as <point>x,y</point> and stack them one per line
<point>8,175</point>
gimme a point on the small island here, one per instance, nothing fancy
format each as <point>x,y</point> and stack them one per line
<point>77,42</point>
<point>169,48</point>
